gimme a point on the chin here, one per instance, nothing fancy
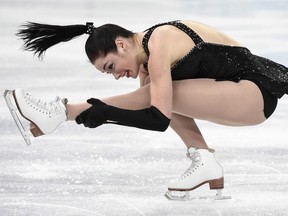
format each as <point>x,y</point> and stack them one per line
<point>135,76</point>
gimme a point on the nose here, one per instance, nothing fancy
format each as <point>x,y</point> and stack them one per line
<point>116,76</point>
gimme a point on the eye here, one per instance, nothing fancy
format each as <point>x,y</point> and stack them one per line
<point>110,67</point>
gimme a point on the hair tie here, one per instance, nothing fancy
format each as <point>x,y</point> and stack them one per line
<point>90,28</point>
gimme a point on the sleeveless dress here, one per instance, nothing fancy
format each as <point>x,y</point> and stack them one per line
<point>223,62</point>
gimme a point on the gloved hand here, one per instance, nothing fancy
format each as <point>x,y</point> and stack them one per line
<point>95,115</point>
<point>99,113</point>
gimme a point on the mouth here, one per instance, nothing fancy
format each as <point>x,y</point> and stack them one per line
<point>127,73</point>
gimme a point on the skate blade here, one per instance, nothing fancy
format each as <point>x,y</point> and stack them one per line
<point>179,196</point>
<point>8,95</point>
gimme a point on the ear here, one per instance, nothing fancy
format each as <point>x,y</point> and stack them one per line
<point>120,43</point>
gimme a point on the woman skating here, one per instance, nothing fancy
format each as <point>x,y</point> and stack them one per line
<point>187,71</point>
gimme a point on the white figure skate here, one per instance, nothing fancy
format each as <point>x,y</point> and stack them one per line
<point>44,117</point>
<point>204,169</point>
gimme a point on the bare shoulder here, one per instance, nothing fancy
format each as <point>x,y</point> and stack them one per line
<point>211,34</point>
<point>172,41</point>
<point>163,35</point>
<point>166,33</point>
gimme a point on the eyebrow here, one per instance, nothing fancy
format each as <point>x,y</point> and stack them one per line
<point>104,67</point>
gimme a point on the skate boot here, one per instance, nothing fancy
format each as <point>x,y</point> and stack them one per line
<point>204,169</point>
<point>45,116</point>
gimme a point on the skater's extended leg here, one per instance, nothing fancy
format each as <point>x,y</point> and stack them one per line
<point>184,126</point>
<point>45,116</point>
<point>73,110</point>
<point>225,102</point>
<point>137,99</point>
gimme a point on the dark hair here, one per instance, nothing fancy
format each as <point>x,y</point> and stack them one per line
<point>102,40</point>
<point>39,37</point>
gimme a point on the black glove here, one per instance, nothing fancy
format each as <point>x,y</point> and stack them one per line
<point>99,113</point>
<point>94,116</point>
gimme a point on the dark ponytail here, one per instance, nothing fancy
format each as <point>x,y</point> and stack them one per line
<point>39,37</point>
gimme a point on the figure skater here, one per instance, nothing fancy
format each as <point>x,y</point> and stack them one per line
<point>187,70</point>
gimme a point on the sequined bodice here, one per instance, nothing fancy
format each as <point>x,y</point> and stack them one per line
<point>205,60</point>
<point>223,62</point>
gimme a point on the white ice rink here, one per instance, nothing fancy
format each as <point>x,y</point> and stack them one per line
<point>114,170</point>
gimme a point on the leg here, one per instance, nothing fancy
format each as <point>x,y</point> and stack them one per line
<point>222,102</point>
<point>73,110</point>
<point>188,131</point>
<point>225,102</point>
<point>184,126</point>
<point>137,99</point>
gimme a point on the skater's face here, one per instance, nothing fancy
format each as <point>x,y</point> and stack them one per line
<point>123,63</point>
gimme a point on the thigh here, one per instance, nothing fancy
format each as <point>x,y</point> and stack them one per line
<point>222,102</point>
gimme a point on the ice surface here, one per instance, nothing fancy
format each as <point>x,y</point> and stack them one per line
<point>123,171</point>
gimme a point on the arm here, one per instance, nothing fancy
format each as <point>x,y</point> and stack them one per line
<point>160,72</point>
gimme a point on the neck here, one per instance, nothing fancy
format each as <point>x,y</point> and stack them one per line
<point>139,51</point>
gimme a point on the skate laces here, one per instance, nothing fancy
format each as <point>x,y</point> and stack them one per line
<point>49,108</point>
<point>196,162</point>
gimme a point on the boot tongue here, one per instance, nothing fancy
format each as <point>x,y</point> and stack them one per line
<point>191,151</point>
